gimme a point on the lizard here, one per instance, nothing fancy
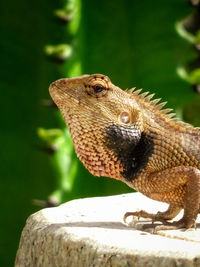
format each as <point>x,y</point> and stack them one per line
<point>128,135</point>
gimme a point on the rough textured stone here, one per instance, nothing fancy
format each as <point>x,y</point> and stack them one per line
<point>91,232</point>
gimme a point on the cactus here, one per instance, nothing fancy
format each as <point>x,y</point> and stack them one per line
<point>188,29</point>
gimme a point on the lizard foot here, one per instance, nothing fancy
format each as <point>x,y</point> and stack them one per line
<point>144,214</point>
<point>181,224</point>
<point>172,226</point>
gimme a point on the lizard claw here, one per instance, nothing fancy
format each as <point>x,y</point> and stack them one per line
<point>137,214</point>
<point>128,214</point>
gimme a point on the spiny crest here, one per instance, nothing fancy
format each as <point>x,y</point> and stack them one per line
<point>157,107</point>
<point>147,98</point>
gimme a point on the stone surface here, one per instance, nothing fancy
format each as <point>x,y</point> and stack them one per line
<point>90,232</point>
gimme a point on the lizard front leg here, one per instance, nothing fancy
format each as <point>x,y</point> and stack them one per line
<point>178,186</point>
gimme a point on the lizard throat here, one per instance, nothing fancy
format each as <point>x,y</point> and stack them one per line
<point>91,150</point>
<point>132,147</point>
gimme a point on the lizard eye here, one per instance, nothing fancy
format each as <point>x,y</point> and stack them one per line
<point>125,117</point>
<point>98,88</point>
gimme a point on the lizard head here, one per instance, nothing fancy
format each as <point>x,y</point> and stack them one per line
<point>100,118</point>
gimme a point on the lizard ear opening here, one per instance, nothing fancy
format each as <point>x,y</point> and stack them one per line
<point>125,117</point>
<point>130,118</point>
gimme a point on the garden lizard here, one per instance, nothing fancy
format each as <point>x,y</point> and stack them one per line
<point>130,137</point>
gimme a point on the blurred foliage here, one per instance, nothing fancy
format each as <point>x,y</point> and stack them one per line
<point>134,42</point>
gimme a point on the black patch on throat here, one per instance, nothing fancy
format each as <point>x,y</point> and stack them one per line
<point>132,147</point>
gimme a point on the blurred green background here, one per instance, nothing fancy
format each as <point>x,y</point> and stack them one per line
<point>153,45</point>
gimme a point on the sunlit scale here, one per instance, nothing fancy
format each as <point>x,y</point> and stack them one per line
<point>99,162</point>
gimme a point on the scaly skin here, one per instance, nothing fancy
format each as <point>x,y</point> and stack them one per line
<point>127,136</point>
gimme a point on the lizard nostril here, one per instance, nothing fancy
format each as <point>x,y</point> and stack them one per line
<point>63,82</point>
<point>60,83</point>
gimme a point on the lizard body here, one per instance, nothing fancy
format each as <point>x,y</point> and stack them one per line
<point>127,136</point>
